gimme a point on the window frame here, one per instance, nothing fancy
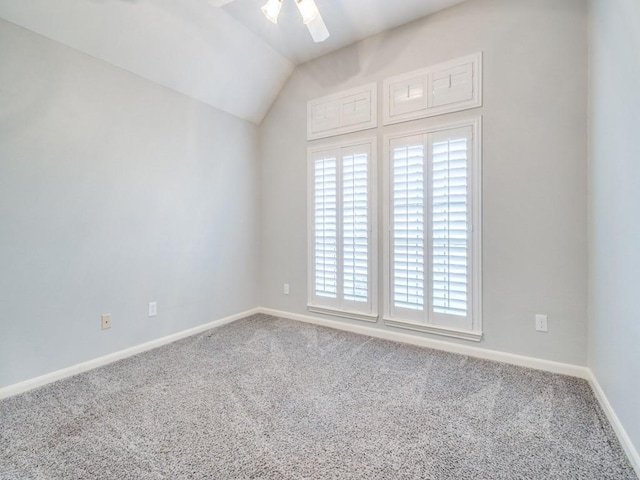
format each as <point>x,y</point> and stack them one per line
<point>422,322</point>
<point>344,308</point>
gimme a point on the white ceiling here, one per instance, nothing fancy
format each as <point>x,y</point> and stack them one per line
<point>231,57</point>
<point>348,21</point>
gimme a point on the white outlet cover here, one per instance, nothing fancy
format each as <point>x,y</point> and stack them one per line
<point>285,289</point>
<point>542,323</point>
<point>153,309</point>
<point>105,321</point>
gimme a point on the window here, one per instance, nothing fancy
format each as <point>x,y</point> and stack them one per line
<point>342,230</point>
<point>432,216</point>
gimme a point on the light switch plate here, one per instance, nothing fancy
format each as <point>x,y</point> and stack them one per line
<point>153,309</point>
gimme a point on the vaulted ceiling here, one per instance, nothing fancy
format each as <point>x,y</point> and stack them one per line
<point>229,57</point>
<point>348,21</point>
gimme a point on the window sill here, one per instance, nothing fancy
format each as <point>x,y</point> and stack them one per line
<point>436,330</point>
<point>363,317</point>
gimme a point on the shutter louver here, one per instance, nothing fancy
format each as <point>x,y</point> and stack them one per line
<point>355,227</point>
<point>450,244</point>
<point>408,227</point>
<point>326,227</point>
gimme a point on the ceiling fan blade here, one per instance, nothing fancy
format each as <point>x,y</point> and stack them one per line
<point>318,29</point>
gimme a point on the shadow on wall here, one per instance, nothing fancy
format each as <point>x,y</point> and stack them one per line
<point>348,62</point>
<point>208,19</point>
<point>342,66</point>
<point>110,1</point>
<point>389,46</point>
<point>24,102</point>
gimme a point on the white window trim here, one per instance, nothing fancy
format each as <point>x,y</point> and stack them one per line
<point>475,334</point>
<point>371,315</point>
<point>350,314</point>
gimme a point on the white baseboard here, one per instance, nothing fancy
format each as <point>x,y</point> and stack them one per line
<point>627,445</point>
<point>472,351</point>
<point>36,382</point>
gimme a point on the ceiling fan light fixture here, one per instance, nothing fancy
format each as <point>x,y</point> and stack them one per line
<point>308,10</point>
<point>318,29</point>
<point>272,9</point>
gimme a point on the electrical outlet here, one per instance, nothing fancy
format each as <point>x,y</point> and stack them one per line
<point>541,323</point>
<point>153,309</point>
<point>285,289</point>
<point>106,321</point>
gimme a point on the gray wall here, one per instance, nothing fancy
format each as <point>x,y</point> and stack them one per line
<point>535,167</point>
<point>114,192</point>
<point>614,206</point>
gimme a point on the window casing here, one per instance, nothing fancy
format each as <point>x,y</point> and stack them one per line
<point>342,230</point>
<point>432,247</point>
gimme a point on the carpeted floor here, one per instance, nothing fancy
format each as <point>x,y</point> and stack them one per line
<point>272,398</point>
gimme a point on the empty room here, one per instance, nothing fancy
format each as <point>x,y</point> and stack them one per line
<point>320,239</point>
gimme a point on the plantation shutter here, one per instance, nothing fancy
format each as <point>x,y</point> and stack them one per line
<point>408,224</point>
<point>450,225</point>
<point>341,240</point>
<point>355,226</point>
<point>430,228</point>
<point>326,226</point>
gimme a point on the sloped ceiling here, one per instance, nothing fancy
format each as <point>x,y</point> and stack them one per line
<point>231,57</point>
<point>187,45</point>
<point>348,21</point>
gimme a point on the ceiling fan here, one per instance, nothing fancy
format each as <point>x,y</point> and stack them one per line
<point>308,9</point>
<point>310,17</point>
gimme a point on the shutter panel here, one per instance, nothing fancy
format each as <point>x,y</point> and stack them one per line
<point>407,96</point>
<point>355,227</point>
<point>326,226</point>
<point>443,88</point>
<point>449,223</point>
<point>344,112</point>
<point>452,85</point>
<point>407,224</point>
<point>325,117</point>
<point>356,109</point>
